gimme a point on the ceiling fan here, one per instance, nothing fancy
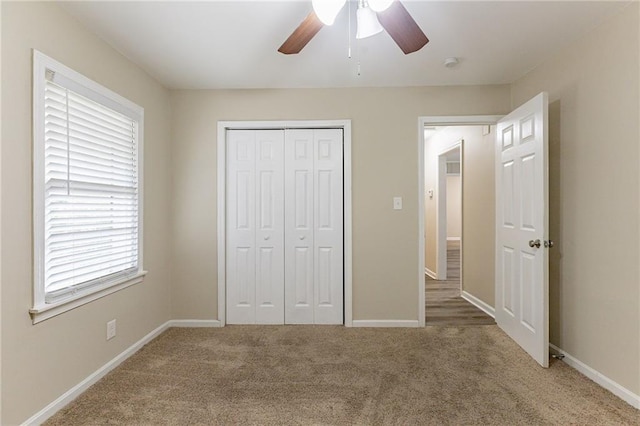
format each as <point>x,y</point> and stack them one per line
<point>390,15</point>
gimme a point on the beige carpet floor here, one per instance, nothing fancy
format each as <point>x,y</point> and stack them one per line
<point>334,376</point>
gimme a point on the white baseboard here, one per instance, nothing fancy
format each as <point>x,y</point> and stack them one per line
<point>488,309</point>
<point>610,385</point>
<point>453,238</point>
<point>48,411</point>
<point>430,273</point>
<point>194,323</point>
<point>385,323</point>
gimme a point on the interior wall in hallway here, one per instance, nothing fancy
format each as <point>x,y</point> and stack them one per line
<point>454,206</point>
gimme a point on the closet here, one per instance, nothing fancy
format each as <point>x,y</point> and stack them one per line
<point>284,226</point>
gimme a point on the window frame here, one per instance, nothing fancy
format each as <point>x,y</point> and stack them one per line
<point>41,310</point>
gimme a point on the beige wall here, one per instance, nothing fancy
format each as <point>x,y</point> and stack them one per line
<point>478,221</point>
<point>454,206</point>
<point>478,206</point>
<point>444,139</point>
<point>41,362</point>
<point>593,172</point>
<point>385,164</point>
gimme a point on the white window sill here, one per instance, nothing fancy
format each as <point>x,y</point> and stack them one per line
<point>45,311</point>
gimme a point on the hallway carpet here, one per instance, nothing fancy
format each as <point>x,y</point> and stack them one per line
<point>334,375</point>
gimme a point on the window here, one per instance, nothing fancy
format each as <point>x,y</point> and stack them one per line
<point>87,189</point>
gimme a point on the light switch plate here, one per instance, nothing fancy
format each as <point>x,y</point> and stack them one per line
<point>397,203</point>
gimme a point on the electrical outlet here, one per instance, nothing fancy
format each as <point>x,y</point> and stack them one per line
<point>397,203</point>
<point>111,329</point>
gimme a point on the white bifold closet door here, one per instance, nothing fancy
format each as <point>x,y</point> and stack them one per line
<point>255,223</point>
<point>285,226</point>
<point>313,226</point>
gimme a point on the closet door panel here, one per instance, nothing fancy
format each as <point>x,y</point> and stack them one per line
<point>328,229</point>
<point>241,227</point>
<point>299,241</point>
<point>285,226</point>
<point>270,227</point>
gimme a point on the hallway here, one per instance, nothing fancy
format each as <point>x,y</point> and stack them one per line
<point>444,304</point>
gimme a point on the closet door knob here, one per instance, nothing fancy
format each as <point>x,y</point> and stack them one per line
<point>266,237</point>
<point>301,237</point>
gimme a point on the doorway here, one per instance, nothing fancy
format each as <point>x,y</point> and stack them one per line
<point>519,221</point>
<point>458,190</point>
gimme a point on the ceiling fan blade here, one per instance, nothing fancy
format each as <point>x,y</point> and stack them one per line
<point>402,28</point>
<point>301,35</point>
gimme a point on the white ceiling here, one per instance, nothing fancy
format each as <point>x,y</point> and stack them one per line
<point>233,44</point>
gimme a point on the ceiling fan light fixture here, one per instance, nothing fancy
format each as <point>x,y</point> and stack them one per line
<point>379,5</point>
<point>367,23</point>
<point>327,10</point>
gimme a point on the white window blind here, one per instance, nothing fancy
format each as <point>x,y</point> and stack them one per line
<point>91,196</point>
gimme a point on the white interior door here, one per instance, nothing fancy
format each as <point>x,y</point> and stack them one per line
<point>284,226</point>
<point>299,229</point>
<point>255,227</point>
<point>270,227</point>
<point>328,227</point>
<point>313,226</point>
<point>522,218</point>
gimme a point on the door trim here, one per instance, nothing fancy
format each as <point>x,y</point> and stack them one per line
<point>223,126</point>
<point>448,120</point>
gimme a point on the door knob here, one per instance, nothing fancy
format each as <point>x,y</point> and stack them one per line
<point>548,243</point>
<point>266,237</point>
<point>535,243</point>
<point>301,237</point>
